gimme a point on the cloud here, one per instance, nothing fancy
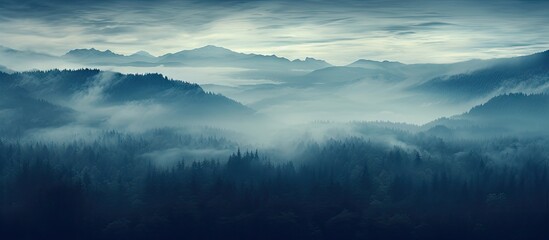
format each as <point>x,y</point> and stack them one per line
<point>405,33</point>
<point>339,32</point>
<point>433,24</point>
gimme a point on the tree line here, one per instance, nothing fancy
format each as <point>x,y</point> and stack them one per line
<point>351,188</point>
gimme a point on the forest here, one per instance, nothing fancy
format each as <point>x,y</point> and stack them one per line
<point>274,120</point>
<point>425,187</point>
<point>91,154</point>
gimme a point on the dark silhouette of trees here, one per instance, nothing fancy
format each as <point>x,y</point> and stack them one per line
<point>338,189</point>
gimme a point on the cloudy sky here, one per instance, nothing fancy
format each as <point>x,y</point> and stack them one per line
<point>337,31</point>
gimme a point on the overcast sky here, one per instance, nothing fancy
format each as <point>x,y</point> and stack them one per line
<point>337,31</point>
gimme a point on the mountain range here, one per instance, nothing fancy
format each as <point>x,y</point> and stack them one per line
<point>519,74</point>
<point>474,78</point>
<point>363,89</point>
<point>502,115</point>
<point>207,56</point>
<point>94,98</point>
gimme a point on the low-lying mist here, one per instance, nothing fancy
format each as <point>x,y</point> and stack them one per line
<point>362,91</point>
<point>373,150</point>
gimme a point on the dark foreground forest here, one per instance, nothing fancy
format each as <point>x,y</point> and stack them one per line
<point>279,119</point>
<point>349,188</point>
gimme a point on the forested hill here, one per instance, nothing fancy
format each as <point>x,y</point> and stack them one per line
<point>338,189</point>
<point>502,115</point>
<point>99,97</point>
<point>524,74</point>
<point>513,105</point>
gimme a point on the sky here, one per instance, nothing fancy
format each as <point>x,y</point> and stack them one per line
<point>339,32</point>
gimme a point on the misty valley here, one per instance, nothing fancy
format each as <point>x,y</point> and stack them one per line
<point>214,144</point>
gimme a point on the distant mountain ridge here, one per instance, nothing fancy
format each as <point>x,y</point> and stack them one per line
<point>215,56</point>
<point>20,111</point>
<point>365,63</point>
<point>92,52</point>
<point>209,55</point>
<point>520,74</point>
<point>107,57</point>
<point>56,97</point>
<point>462,82</point>
<point>503,114</point>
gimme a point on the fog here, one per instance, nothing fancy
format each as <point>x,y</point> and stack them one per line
<point>379,150</point>
<point>244,119</point>
<point>368,91</point>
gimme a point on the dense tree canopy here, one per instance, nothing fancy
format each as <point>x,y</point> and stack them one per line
<point>351,188</point>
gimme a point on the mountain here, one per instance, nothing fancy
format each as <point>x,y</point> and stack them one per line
<point>109,100</point>
<point>311,63</point>
<point>384,72</point>
<point>419,73</point>
<point>528,74</point>
<point>371,64</point>
<point>92,53</point>
<point>96,57</point>
<point>207,56</point>
<point>19,111</point>
<point>142,54</point>
<point>221,57</point>
<point>501,115</point>
<point>341,76</point>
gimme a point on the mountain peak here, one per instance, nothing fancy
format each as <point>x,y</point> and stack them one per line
<point>312,62</point>
<point>212,49</point>
<point>142,53</point>
<point>209,46</point>
<point>308,59</point>
<point>207,51</point>
<point>373,63</point>
<point>377,62</point>
<point>91,52</point>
